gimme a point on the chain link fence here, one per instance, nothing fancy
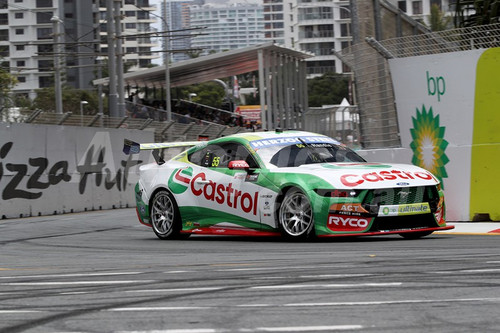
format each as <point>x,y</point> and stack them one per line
<point>386,32</point>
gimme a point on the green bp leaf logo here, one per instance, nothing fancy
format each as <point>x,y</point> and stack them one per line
<point>179,180</point>
<point>428,143</point>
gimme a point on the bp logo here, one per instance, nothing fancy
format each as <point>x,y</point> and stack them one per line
<point>428,143</point>
<point>179,180</point>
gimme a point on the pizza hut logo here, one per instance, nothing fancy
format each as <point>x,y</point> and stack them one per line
<point>347,223</point>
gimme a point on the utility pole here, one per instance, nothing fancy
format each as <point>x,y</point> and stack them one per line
<point>113,97</point>
<point>56,27</point>
<point>167,66</point>
<point>119,59</point>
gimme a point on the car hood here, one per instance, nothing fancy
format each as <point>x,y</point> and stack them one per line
<point>366,175</point>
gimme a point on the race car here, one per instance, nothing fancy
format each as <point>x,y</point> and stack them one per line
<point>294,184</point>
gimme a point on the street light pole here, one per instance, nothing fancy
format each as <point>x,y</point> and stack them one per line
<point>82,103</point>
<point>113,97</point>
<point>57,62</point>
<point>167,66</point>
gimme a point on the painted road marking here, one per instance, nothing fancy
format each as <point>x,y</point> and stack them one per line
<point>161,308</point>
<point>416,301</point>
<point>56,283</point>
<point>68,275</point>
<point>256,329</point>
<point>173,290</point>
<point>330,285</point>
<point>17,311</point>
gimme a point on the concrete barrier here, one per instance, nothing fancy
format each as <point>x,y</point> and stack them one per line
<point>48,169</point>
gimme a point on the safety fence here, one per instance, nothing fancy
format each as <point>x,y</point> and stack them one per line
<point>391,34</point>
<point>180,127</point>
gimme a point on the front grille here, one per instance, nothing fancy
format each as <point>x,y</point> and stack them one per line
<point>400,196</point>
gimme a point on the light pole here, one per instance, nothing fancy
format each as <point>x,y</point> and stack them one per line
<point>82,103</point>
<point>56,26</point>
<point>191,95</point>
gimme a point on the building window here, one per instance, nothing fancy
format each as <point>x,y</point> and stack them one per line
<point>20,31</point>
<point>19,47</point>
<point>45,65</point>
<point>18,15</point>
<point>43,3</point>
<point>4,19</point>
<point>402,5</point>
<point>43,17</point>
<point>4,52</point>
<point>417,7</point>
<point>4,34</point>
<point>45,48</point>
<point>45,81</point>
<point>20,63</point>
<point>44,33</point>
<point>21,79</point>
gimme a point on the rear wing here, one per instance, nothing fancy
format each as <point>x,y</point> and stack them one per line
<point>131,147</point>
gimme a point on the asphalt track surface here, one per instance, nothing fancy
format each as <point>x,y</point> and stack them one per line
<point>104,272</point>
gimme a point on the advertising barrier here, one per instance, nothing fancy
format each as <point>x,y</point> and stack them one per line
<point>448,113</point>
<point>48,169</point>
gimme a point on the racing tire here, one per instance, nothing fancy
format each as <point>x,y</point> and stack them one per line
<point>165,216</point>
<point>415,235</point>
<point>295,216</point>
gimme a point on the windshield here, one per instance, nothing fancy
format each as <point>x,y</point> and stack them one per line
<point>307,153</point>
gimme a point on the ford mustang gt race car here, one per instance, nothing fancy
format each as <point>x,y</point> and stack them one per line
<point>291,183</point>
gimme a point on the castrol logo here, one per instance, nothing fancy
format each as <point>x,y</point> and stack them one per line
<point>347,223</point>
<point>353,180</point>
<point>222,194</point>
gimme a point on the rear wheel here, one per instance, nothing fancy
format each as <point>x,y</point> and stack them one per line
<point>415,235</point>
<point>295,215</point>
<point>165,217</point>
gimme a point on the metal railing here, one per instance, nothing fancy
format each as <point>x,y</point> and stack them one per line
<point>181,127</point>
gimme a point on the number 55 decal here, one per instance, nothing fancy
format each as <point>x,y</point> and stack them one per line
<point>215,161</point>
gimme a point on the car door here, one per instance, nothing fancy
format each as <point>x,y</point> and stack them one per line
<point>225,197</point>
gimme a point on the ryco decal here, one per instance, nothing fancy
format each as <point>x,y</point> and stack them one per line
<point>224,195</point>
<point>352,180</point>
<point>347,223</point>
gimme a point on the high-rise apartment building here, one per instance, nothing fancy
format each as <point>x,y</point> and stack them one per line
<point>28,43</point>
<point>137,20</point>
<point>176,21</point>
<point>421,9</point>
<point>315,26</point>
<point>227,26</point>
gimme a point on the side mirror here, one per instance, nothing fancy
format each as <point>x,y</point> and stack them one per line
<point>238,165</point>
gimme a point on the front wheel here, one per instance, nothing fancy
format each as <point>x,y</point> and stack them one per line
<point>165,217</point>
<point>295,215</point>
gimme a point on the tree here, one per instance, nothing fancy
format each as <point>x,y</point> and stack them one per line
<point>45,100</point>
<point>207,93</point>
<point>7,82</point>
<point>437,20</point>
<point>328,89</point>
<point>470,13</point>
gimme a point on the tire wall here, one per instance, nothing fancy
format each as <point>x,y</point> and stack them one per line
<point>48,169</point>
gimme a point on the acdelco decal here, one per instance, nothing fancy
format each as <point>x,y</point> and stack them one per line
<point>222,194</point>
<point>347,223</point>
<point>352,180</point>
